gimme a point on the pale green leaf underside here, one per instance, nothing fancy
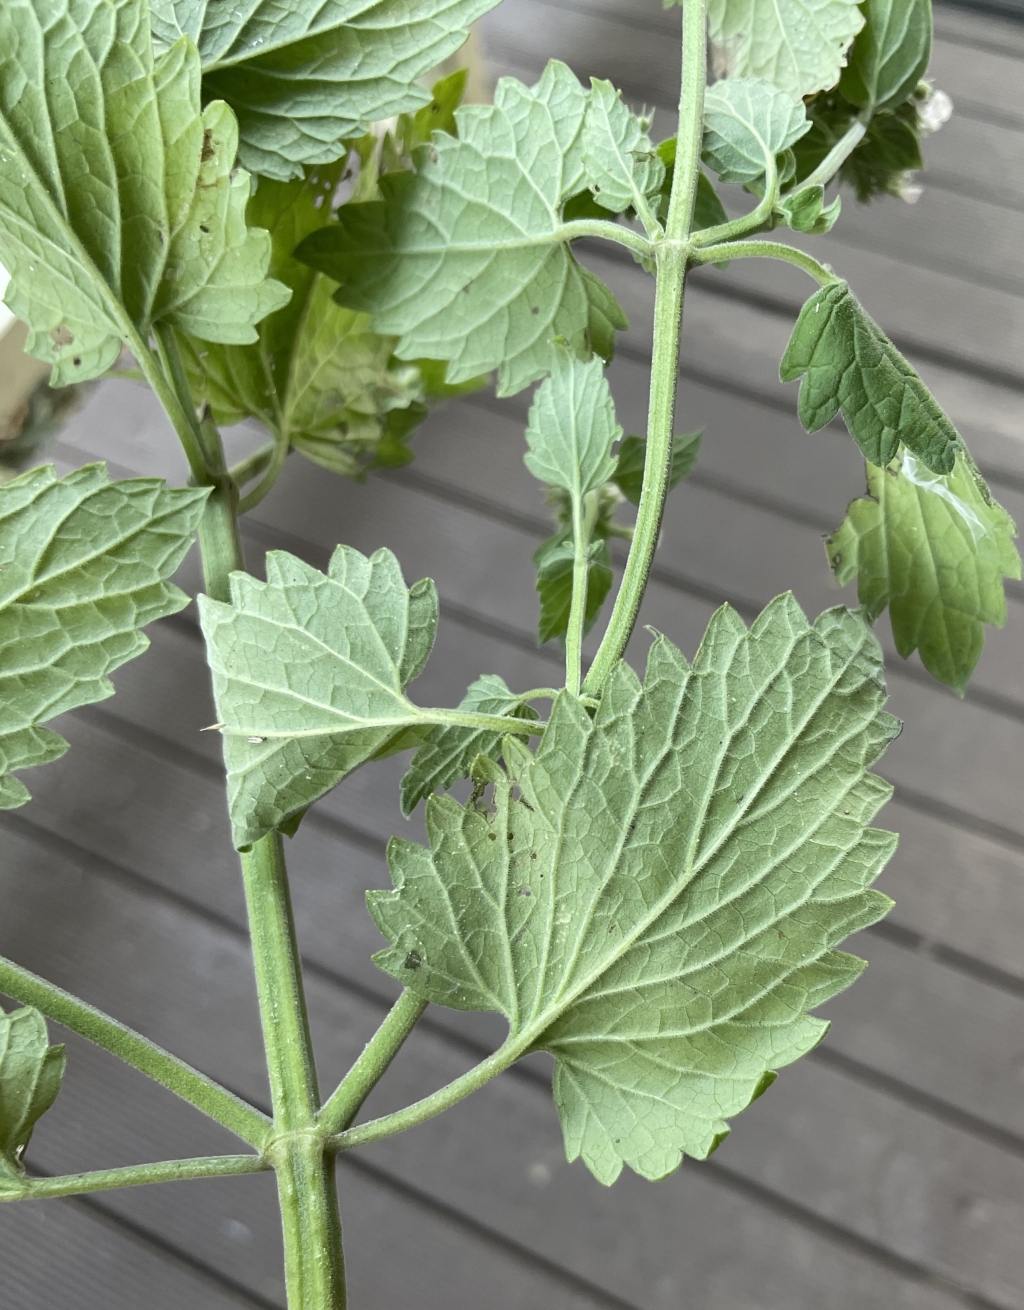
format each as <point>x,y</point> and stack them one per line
<point>747,122</point>
<point>309,674</point>
<point>848,363</point>
<point>302,77</point>
<point>621,165</point>
<point>83,566</point>
<point>800,45</point>
<point>572,427</point>
<point>463,262</point>
<point>935,550</point>
<point>31,1072</point>
<point>120,204</point>
<point>448,753</point>
<point>660,908</point>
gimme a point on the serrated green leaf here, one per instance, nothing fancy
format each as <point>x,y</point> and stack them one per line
<point>748,121</point>
<point>554,559</point>
<point>660,909</point>
<point>438,116</point>
<point>84,564</point>
<point>935,550</point>
<point>31,1073</point>
<point>800,45</point>
<point>622,168</point>
<point>462,261</point>
<point>318,378</point>
<point>120,204</point>
<point>309,674</point>
<point>448,752</point>
<point>890,54</point>
<point>848,363</point>
<point>629,468</point>
<point>572,427</point>
<point>804,210</point>
<point>303,77</point>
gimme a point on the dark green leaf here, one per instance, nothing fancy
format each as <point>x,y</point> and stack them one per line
<point>660,908</point>
<point>554,559</point>
<point>31,1073</point>
<point>879,166</point>
<point>805,211</point>
<point>84,564</point>
<point>848,363</point>
<point>890,55</point>
<point>935,550</point>
<point>448,753</point>
<point>629,471</point>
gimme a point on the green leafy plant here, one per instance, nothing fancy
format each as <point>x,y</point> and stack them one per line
<point>652,882</point>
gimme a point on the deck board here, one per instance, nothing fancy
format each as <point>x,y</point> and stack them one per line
<point>887,1171</point>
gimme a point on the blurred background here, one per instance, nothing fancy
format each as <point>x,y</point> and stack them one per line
<point>886,1170</point>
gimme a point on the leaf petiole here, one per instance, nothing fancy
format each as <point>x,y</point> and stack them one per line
<point>721,254</point>
<point>751,222</point>
<point>252,466</point>
<point>135,1175</point>
<point>839,153</point>
<point>583,519</point>
<point>244,1120</point>
<point>599,227</point>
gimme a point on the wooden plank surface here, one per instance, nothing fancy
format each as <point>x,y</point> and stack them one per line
<point>885,1171</point>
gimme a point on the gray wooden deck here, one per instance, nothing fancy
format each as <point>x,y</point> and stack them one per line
<point>887,1170</point>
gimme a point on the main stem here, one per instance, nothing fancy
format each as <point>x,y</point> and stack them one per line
<point>671,255</point>
<point>314,1266</point>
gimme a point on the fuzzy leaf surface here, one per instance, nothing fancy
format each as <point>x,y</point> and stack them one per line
<point>572,427</point>
<point>448,752</point>
<point>318,377</point>
<point>748,121</point>
<point>304,76</point>
<point>84,564</point>
<point>935,549</point>
<point>309,675</point>
<point>848,363</point>
<point>31,1073</point>
<point>660,908</point>
<point>120,204</point>
<point>622,167</point>
<point>800,45</point>
<point>462,261</point>
<point>891,53</point>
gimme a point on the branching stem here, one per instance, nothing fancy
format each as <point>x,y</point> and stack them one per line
<point>178,1077</point>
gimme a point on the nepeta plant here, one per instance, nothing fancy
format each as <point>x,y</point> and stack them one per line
<point>651,882</point>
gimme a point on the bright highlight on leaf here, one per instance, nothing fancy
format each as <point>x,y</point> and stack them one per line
<point>847,362</point>
<point>31,1073</point>
<point>800,45</point>
<point>309,674</point>
<point>84,564</point>
<point>304,76</point>
<point>660,908</point>
<point>747,122</point>
<point>120,204</point>
<point>448,753</point>
<point>935,550</point>
<point>463,261</point>
<point>318,378</point>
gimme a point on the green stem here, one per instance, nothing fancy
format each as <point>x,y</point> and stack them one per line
<point>435,1104</point>
<point>838,155</point>
<point>138,1051</point>
<point>314,1267</point>
<point>270,475</point>
<point>751,222</point>
<point>583,518</point>
<point>136,1175</point>
<point>668,309</point>
<point>371,1066</point>
<point>765,250</point>
<point>599,227</point>
<point>252,465</point>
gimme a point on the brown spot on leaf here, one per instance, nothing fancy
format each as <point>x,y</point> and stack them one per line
<point>208,151</point>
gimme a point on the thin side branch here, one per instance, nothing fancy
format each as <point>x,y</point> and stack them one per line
<point>134,1175</point>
